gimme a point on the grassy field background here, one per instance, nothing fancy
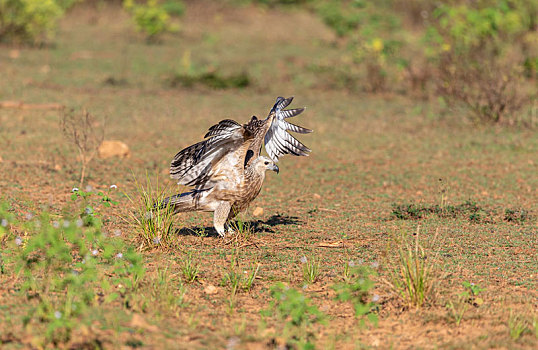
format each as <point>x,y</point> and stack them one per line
<point>371,154</point>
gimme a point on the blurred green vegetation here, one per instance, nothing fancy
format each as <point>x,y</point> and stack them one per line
<point>153,18</point>
<point>480,55</point>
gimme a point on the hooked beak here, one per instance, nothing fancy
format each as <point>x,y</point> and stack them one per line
<point>275,168</point>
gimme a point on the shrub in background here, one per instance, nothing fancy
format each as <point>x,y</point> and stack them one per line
<point>29,21</point>
<point>152,18</point>
<point>483,50</point>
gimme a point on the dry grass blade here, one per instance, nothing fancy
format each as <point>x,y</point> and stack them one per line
<point>413,277</point>
<point>152,218</point>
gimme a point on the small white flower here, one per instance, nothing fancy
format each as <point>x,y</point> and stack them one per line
<point>89,188</point>
<point>113,186</point>
<point>4,222</point>
<point>18,240</point>
<point>304,259</point>
<point>75,189</point>
<point>119,255</point>
<point>117,233</point>
<point>375,265</point>
<point>57,314</point>
<point>79,222</point>
<point>66,223</point>
<point>95,252</point>
<point>472,284</point>
<point>55,224</point>
<point>29,216</point>
<point>351,263</point>
<point>375,298</point>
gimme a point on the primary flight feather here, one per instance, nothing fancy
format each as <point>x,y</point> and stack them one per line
<point>226,168</point>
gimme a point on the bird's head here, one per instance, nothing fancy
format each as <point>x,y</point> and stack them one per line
<point>264,163</point>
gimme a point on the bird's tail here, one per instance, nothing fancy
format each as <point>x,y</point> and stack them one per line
<point>179,203</point>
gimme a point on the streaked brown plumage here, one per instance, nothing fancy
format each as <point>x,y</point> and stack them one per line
<point>227,170</point>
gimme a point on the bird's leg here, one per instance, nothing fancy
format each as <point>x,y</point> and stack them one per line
<point>220,217</point>
<point>231,216</point>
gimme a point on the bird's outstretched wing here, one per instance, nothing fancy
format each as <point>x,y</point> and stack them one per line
<point>192,166</point>
<point>277,139</point>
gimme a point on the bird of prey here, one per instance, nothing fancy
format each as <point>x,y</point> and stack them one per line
<point>226,168</point>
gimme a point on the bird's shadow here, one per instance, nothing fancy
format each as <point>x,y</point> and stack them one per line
<point>257,226</point>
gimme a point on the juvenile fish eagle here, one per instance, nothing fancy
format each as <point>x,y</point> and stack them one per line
<point>227,170</point>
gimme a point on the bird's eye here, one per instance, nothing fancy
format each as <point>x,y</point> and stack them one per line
<point>266,163</point>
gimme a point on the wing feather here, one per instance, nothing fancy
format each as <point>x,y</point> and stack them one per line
<point>278,141</point>
<point>296,128</point>
<point>192,166</point>
<point>225,126</point>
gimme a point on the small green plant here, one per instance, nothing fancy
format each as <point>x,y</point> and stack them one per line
<point>87,213</point>
<point>457,310</point>
<point>243,228</point>
<point>167,292</point>
<point>517,325</point>
<point>6,218</point>
<point>516,215</point>
<point>59,268</point>
<point>153,215</point>
<point>356,289</point>
<point>469,296</point>
<point>413,278</point>
<point>190,268</point>
<point>468,209</point>
<point>311,269</point>
<point>297,313</point>
<point>238,278</point>
<point>472,289</point>
<point>348,266</point>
